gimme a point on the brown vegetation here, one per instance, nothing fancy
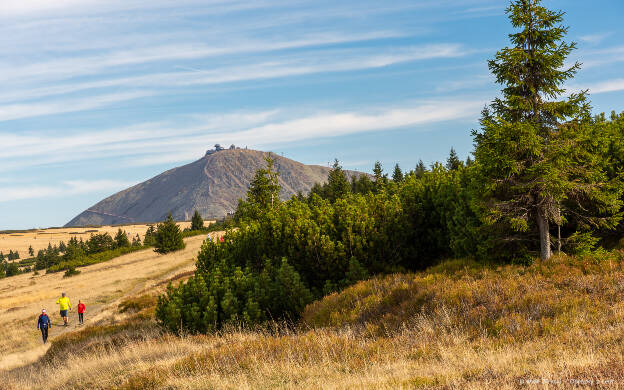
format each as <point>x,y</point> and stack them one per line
<point>39,239</point>
<point>458,325</point>
<point>100,286</point>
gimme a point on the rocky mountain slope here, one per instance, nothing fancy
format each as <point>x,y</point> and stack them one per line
<point>212,185</point>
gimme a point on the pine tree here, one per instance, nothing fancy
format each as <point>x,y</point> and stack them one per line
<point>453,162</point>
<point>380,178</point>
<point>121,239</point>
<point>136,241</point>
<point>263,193</point>
<point>397,175</point>
<point>31,251</point>
<point>197,223</point>
<point>337,183</point>
<point>420,169</point>
<point>150,236</point>
<point>168,236</point>
<point>535,152</point>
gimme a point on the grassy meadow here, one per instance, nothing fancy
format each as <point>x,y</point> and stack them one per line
<point>99,286</point>
<point>40,238</point>
<point>459,325</point>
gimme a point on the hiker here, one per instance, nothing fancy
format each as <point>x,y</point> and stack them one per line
<point>63,301</point>
<point>44,323</point>
<point>81,310</point>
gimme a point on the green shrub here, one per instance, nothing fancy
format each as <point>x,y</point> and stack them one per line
<point>229,294</point>
<point>168,236</point>
<point>192,233</point>
<point>94,258</point>
<point>71,271</point>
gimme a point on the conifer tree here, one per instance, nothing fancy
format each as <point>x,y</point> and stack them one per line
<point>168,236</point>
<point>197,222</point>
<point>136,241</point>
<point>31,251</point>
<point>150,236</point>
<point>337,183</point>
<point>380,178</point>
<point>420,169</point>
<point>263,193</point>
<point>397,175</point>
<point>121,239</point>
<point>535,149</point>
<point>453,162</point>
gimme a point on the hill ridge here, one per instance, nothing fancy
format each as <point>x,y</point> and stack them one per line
<point>212,185</point>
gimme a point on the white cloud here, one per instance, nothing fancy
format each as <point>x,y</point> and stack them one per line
<point>73,66</point>
<point>28,110</point>
<point>287,66</point>
<point>186,138</point>
<point>71,187</point>
<point>602,57</point>
<point>321,125</point>
<point>607,86</point>
<point>595,38</point>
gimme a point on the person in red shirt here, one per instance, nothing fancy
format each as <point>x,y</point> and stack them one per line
<point>81,311</point>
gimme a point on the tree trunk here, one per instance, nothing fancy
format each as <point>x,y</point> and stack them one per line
<point>542,223</point>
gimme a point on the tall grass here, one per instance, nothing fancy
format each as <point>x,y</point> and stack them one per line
<point>459,325</point>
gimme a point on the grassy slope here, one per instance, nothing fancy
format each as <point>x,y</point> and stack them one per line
<point>457,325</point>
<point>100,286</point>
<point>40,238</point>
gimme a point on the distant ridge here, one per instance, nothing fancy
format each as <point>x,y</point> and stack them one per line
<point>212,185</point>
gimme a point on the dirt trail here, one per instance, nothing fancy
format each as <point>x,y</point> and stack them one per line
<point>100,286</point>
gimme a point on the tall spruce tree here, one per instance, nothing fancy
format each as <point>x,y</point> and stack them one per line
<point>381,179</point>
<point>420,169</point>
<point>263,193</point>
<point>397,175</point>
<point>337,183</point>
<point>453,162</point>
<point>534,149</point>
<point>197,222</point>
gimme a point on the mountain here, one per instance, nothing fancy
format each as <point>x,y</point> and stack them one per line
<point>212,185</point>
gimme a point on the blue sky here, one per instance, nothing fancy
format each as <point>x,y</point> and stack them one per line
<point>99,95</point>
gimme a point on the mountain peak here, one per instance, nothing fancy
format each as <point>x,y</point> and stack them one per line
<point>211,185</point>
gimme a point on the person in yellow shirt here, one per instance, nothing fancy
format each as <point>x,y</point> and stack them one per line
<point>65,305</point>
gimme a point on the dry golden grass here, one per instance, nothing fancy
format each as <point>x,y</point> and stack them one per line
<point>459,326</point>
<point>39,239</point>
<point>99,286</point>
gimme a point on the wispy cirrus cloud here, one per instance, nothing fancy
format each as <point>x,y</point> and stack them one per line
<point>595,38</point>
<point>67,188</point>
<point>322,61</point>
<point>29,110</point>
<point>158,143</point>
<point>74,66</point>
<point>612,85</point>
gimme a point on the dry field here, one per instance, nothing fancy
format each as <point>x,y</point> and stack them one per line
<point>553,325</point>
<point>99,286</point>
<point>39,239</point>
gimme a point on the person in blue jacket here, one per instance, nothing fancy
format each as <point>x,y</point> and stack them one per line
<point>44,324</point>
